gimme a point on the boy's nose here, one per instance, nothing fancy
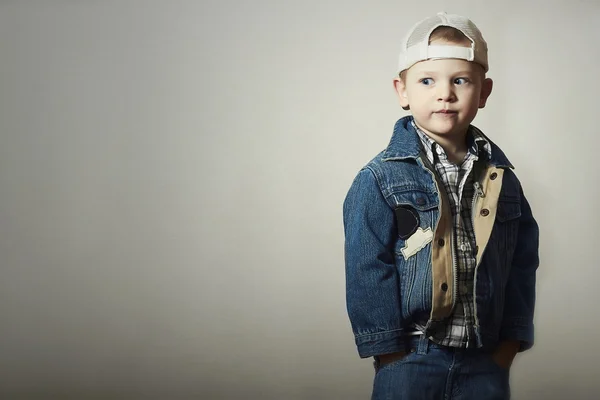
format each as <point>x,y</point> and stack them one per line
<point>445,93</point>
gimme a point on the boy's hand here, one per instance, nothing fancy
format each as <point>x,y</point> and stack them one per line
<point>505,353</point>
<point>385,359</point>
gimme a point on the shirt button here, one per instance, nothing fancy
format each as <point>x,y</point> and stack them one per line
<point>441,242</point>
<point>485,212</point>
<point>493,176</point>
<point>444,286</point>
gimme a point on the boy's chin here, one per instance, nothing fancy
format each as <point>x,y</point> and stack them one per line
<point>447,130</point>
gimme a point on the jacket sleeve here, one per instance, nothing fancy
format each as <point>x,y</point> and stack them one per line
<point>372,285</point>
<point>517,323</point>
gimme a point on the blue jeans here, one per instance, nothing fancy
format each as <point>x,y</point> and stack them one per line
<point>433,372</point>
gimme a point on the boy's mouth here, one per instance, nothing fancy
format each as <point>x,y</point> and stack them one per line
<point>446,112</point>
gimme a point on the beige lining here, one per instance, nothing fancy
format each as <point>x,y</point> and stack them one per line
<point>442,270</point>
<point>483,225</point>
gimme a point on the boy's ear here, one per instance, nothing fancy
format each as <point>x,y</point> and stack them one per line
<point>486,90</point>
<point>400,87</point>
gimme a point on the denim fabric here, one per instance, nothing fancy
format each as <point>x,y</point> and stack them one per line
<point>433,372</point>
<point>386,293</point>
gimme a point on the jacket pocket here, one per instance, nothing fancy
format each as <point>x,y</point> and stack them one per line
<point>415,271</point>
<point>506,226</point>
<point>508,209</point>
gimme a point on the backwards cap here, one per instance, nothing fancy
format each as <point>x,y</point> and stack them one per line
<point>415,46</point>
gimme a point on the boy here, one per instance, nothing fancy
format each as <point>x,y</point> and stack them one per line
<point>441,246</point>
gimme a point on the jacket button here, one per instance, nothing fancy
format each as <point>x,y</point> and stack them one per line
<point>444,286</point>
<point>493,176</point>
<point>420,201</point>
<point>441,242</point>
<point>485,212</point>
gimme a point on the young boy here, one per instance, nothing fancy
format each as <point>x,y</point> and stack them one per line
<point>441,246</point>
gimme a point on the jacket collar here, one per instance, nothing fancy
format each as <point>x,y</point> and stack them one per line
<point>406,144</point>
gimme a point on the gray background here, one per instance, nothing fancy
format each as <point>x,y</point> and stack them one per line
<point>172,175</point>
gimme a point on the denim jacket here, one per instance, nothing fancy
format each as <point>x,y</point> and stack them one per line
<point>386,291</point>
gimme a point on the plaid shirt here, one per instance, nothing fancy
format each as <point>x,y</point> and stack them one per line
<point>458,182</point>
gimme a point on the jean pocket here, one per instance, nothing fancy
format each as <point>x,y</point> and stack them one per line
<point>392,364</point>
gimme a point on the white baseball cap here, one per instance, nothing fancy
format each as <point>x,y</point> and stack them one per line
<point>416,47</point>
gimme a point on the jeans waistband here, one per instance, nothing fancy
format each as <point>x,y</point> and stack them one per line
<point>417,341</point>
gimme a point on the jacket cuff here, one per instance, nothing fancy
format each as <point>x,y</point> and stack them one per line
<point>520,330</point>
<point>374,344</point>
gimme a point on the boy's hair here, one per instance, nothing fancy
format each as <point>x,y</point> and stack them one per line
<point>447,34</point>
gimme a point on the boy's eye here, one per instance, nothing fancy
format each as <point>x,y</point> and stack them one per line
<point>461,81</point>
<point>426,81</point>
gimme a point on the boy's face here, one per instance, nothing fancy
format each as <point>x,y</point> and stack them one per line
<point>444,95</point>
